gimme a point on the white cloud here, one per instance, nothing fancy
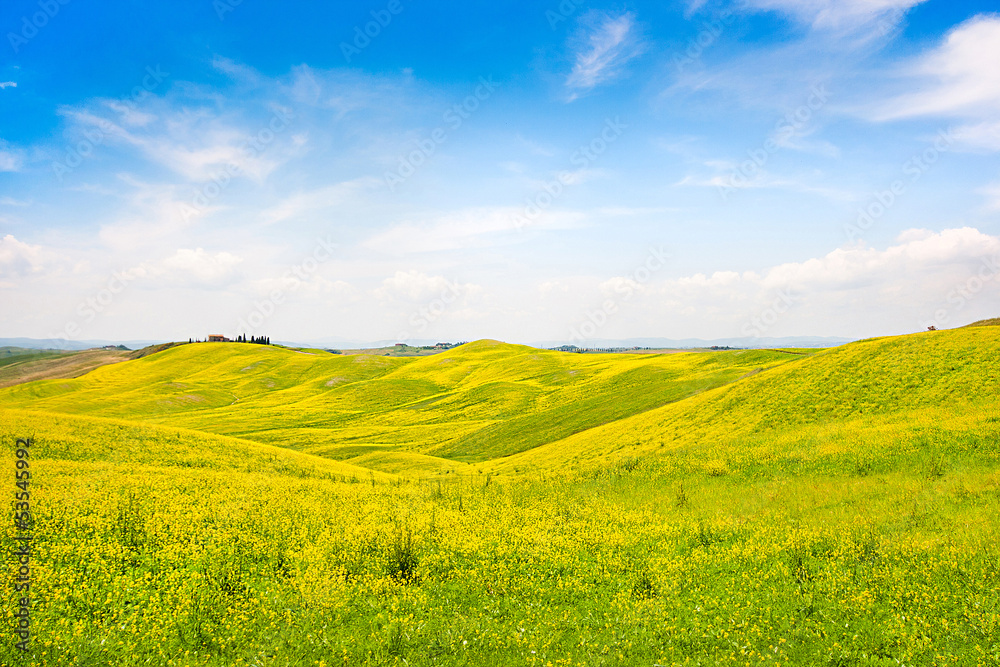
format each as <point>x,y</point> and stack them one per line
<point>237,71</point>
<point>471,227</point>
<point>10,201</point>
<point>189,137</point>
<point>153,212</point>
<point>311,286</point>
<point>607,47</point>
<point>918,252</point>
<point>302,203</point>
<point>984,135</point>
<point>8,84</point>
<point>693,7</point>
<point>959,77</point>
<point>192,268</point>
<point>841,14</point>
<point>415,286</point>
<point>992,192</point>
<point>11,159</point>
<point>850,288</point>
<point>18,258</point>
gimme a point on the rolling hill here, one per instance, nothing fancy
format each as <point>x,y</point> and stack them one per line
<point>243,505</point>
<point>480,401</point>
<point>873,398</point>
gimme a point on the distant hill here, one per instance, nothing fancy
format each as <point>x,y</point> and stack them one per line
<point>44,365</point>
<point>19,365</point>
<point>995,322</point>
<point>65,344</point>
<point>696,343</point>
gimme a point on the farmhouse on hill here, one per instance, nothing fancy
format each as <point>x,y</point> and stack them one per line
<point>218,339</point>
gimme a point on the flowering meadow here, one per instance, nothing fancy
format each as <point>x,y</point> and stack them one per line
<point>830,508</point>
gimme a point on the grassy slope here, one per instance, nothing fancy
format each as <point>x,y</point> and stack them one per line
<point>128,446</point>
<point>994,322</point>
<point>41,365</point>
<point>479,401</point>
<point>872,395</point>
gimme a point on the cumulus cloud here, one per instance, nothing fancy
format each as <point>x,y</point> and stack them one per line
<point>18,258</point>
<point>922,275</point>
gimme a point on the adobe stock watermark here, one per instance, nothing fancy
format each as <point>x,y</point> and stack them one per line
<point>381,18</point>
<point>30,26</point>
<point>582,158</point>
<point>94,137</point>
<point>786,128</point>
<point>709,35</point>
<point>223,7</point>
<point>965,292</point>
<point>95,305</point>
<point>254,146</point>
<point>594,320</point>
<point>454,117</point>
<point>264,308</point>
<point>562,12</point>
<point>771,315</point>
<point>913,169</point>
<point>435,308</point>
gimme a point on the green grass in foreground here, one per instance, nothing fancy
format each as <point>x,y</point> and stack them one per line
<point>154,562</point>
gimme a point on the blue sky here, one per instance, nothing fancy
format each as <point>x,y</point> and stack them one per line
<point>522,171</point>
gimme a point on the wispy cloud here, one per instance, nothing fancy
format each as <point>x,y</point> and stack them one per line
<point>189,267</point>
<point>305,202</point>
<point>465,228</point>
<point>958,78</point>
<point>605,46</point>
<point>841,15</point>
<point>11,159</point>
<point>8,84</point>
<point>415,286</point>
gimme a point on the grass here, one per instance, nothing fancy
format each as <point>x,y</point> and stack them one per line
<point>994,322</point>
<point>18,366</point>
<point>834,508</point>
<point>467,405</point>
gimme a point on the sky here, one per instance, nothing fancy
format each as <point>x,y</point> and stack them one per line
<point>547,171</point>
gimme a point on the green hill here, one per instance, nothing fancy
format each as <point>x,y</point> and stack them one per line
<point>479,401</point>
<point>218,505</point>
<point>871,398</point>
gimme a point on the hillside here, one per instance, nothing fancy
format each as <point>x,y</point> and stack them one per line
<point>872,397</point>
<point>514,407</point>
<point>995,322</point>
<point>34,365</point>
<point>715,508</point>
<point>473,403</point>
